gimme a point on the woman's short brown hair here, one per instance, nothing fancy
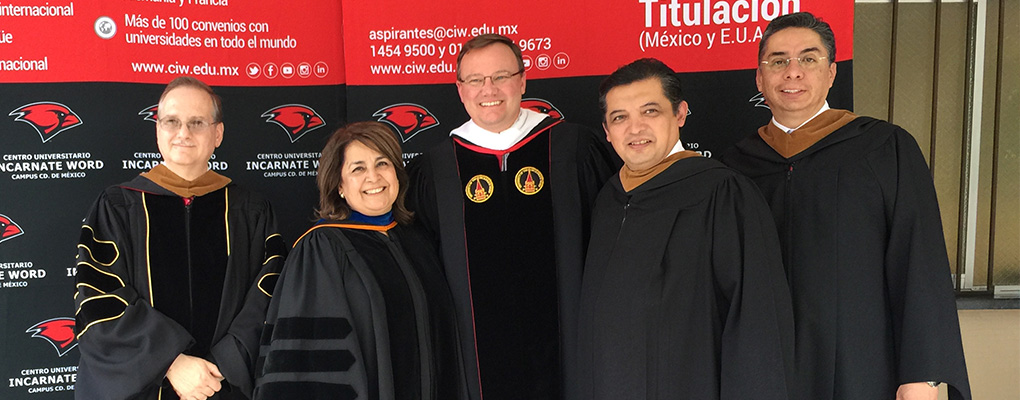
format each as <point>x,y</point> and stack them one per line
<point>377,137</point>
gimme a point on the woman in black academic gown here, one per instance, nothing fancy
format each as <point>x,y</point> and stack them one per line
<point>361,309</point>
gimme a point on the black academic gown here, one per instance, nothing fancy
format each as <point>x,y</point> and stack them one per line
<point>684,295</point>
<point>866,260</point>
<point>157,278</point>
<point>360,315</point>
<point>491,249</point>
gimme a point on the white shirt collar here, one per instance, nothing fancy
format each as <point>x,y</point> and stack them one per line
<point>678,147</point>
<point>526,121</point>
<point>790,130</point>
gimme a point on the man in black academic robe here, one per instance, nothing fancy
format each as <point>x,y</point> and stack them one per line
<point>684,295</point>
<point>507,199</point>
<point>175,270</point>
<point>859,223</point>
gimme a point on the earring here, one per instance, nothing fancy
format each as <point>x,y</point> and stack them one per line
<point>342,195</point>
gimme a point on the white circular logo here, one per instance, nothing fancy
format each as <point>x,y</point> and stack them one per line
<point>105,27</point>
<point>253,70</point>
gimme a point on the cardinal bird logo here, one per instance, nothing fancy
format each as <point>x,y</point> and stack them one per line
<point>759,100</point>
<point>9,229</point>
<point>58,331</point>
<point>543,106</point>
<point>296,119</point>
<point>408,119</point>
<point>48,118</point>
<point>150,113</point>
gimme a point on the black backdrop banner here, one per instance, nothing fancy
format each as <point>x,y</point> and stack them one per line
<point>79,83</point>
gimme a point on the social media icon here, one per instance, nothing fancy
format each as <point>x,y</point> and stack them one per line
<point>287,70</point>
<point>543,61</point>
<point>321,69</point>
<point>527,62</point>
<point>253,70</point>
<point>270,70</point>
<point>561,60</point>
<point>304,70</point>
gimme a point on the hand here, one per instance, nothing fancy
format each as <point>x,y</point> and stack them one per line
<point>193,377</point>
<point>917,391</point>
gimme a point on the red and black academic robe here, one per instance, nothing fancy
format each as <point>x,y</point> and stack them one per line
<point>361,315</point>
<point>684,295</point>
<point>158,277</point>
<point>866,260</point>
<point>512,227</point>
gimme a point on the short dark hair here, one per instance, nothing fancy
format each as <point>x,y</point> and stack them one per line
<point>375,136</point>
<point>187,81</point>
<point>801,20</point>
<point>640,70</point>
<point>486,40</point>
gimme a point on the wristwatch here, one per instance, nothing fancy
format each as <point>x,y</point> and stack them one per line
<point>933,384</point>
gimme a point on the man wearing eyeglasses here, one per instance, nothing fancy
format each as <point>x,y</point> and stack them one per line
<point>507,198</point>
<point>175,269</point>
<point>860,228</point>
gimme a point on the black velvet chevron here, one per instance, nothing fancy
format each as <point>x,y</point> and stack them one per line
<point>312,328</point>
<point>309,361</point>
<point>91,276</point>
<point>96,309</point>
<point>103,253</point>
<point>309,390</point>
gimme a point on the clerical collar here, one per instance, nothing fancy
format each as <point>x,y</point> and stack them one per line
<point>379,220</point>
<point>526,121</point>
<point>790,130</point>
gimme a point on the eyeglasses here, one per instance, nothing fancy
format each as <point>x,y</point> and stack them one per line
<point>809,62</point>
<point>194,126</point>
<point>499,78</point>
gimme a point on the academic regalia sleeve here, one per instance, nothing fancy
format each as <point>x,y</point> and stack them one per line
<point>312,343</point>
<point>126,345</point>
<point>237,352</point>
<point>925,321</point>
<point>758,334</point>
<point>451,381</point>
<point>596,164</point>
<point>421,197</point>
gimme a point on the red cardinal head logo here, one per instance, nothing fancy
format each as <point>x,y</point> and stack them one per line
<point>48,118</point>
<point>407,118</point>
<point>9,229</point>
<point>542,106</point>
<point>150,113</point>
<point>296,119</point>
<point>58,331</point>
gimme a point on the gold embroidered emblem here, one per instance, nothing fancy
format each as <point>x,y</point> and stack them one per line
<point>529,180</point>
<point>479,188</point>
